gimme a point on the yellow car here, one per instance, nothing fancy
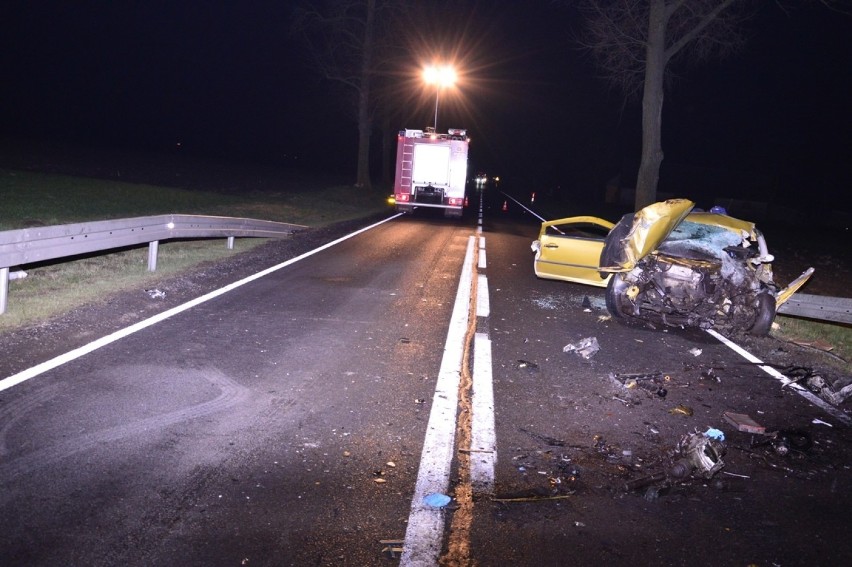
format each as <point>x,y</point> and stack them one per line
<point>668,265</point>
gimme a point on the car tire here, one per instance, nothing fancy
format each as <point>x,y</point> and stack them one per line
<point>765,315</point>
<point>614,296</point>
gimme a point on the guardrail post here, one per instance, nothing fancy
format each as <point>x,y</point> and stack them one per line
<point>4,288</point>
<point>152,255</point>
<point>230,243</point>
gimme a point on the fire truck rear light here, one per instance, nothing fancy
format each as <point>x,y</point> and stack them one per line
<point>402,197</point>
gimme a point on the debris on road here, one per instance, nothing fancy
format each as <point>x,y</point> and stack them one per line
<point>743,422</point>
<point>584,347</point>
<point>681,409</point>
<point>700,453</point>
<point>526,364</point>
<point>710,374</point>
<point>834,392</point>
<point>650,383</point>
<point>786,440</point>
<point>437,500</point>
<point>392,546</point>
<point>156,293</point>
<point>638,483</point>
<point>715,434</point>
<point>695,351</point>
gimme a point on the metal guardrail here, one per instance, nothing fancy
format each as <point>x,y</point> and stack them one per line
<point>31,245</point>
<point>819,307</point>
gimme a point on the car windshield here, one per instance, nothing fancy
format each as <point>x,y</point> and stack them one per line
<point>705,239</point>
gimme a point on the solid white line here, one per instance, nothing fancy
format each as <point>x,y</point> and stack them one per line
<point>807,394</point>
<point>483,303</point>
<point>483,440</point>
<point>34,371</point>
<point>425,531</point>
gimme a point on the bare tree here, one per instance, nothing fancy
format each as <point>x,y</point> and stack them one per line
<point>346,39</point>
<point>635,41</point>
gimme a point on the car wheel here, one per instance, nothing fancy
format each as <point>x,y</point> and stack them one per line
<point>614,296</point>
<point>765,315</point>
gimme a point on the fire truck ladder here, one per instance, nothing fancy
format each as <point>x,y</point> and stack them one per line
<point>407,165</point>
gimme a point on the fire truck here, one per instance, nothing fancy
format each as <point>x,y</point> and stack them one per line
<point>431,170</point>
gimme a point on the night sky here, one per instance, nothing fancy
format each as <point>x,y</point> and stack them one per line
<point>228,80</point>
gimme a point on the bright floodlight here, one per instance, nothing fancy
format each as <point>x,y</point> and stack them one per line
<point>441,76</point>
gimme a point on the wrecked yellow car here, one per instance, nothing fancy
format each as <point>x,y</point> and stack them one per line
<point>668,265</point>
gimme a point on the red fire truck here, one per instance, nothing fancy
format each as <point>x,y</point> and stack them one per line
<point>431,170</point>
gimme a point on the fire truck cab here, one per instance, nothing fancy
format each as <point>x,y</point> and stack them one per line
<point>431,170</point>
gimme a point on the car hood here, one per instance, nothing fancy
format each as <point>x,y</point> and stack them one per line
<point>638,234</point>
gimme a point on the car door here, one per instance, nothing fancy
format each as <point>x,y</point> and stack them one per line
<point>569,250</point>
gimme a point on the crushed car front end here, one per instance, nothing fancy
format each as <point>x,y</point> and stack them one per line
<point>673,267</point>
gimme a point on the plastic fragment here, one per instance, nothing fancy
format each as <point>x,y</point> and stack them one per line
<point>715,434</point>
<point>437,500</point>
<point>681,409</point>
<point>743,422</point>
<point>584,347</point>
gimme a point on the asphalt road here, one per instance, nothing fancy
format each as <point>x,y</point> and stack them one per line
<point>283,423</point>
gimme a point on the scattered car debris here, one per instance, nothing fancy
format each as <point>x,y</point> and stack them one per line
<point>392,547</point>
<point>713,433</point>
<point>743,422</point>
<point>830,391</point>
<point>584,347</point>
<point>681,409</point>
<point>156,293</point>
<point>786,440</point>
<point>818,421</point>
<point>650,383</point>
<point>710,374</point>
<point>700,453</point>
<point>695,351</point>
<point>638,483</point>
<point>527,365</point>
<point>437,500</point>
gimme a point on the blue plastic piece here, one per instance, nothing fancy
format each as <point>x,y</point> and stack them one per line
<point>437,500</point>
<point>715,434</point>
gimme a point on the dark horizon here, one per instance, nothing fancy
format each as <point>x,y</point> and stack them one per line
<point>228,81</point>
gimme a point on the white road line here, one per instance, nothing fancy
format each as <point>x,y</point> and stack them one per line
<point>425,531</point>
<point>483,439</point>
<point>34,371</point>
<point>819,402</point>
<point>483,303</point>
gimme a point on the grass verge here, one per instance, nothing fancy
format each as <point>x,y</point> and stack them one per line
<point>822,334</point>
<point>51,289</point>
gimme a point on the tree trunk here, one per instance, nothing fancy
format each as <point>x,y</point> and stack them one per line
<point>388,150</point>
<point>365,126</point>
<point>652,106</point>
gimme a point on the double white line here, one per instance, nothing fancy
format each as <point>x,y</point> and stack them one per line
<point>426,524</point>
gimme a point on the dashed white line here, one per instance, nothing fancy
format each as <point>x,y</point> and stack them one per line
<point>483,304</point>
<point>483,440</point>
